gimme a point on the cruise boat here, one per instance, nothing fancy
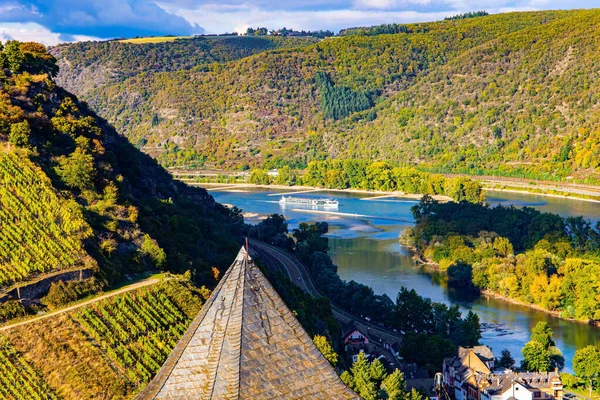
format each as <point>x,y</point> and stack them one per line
<point>311,202</point>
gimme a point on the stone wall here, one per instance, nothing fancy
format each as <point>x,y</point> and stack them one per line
<point>41,287</point>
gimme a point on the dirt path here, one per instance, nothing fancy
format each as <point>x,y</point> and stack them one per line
<point>134,286</point>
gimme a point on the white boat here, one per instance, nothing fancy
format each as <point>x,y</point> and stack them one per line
<point>305,201</point>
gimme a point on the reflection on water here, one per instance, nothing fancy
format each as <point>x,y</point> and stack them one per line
<point>367,250</point>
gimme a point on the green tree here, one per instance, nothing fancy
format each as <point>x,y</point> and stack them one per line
<point>326,349</point>
<point>151,249</point>
<point>506,359</point>
<point>535,357</point>
<point>14,56</point>
<point>19,134</point>
<point>394,386</point>
<point>378,372</point>
<point>361,373</point>
<point>414,394</point>
<point>586,364</point>
<point>542,333</point>
<point>348,379</point>
<point>77,170</point>
<point>503,247</point>
<point>471,330</point>
<point>260,177</point>
<point>285,176</point>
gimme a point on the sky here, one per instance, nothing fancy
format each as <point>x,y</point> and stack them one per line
<point>55,21</point>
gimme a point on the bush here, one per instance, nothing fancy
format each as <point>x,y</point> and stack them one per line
<point>77,170</point>
<point>19,134</point>
<point>152,250</point>
<point>11,309</point>
<point>62,293</point>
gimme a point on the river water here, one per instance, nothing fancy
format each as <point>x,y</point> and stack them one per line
<point>364,245</point>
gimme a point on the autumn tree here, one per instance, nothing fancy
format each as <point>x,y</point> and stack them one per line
<point>326,349</point>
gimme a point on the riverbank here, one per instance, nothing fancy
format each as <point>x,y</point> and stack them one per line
<point>571,191</point>
<point>542,192</point>
<point>212,186</point>
<point>427,263</point>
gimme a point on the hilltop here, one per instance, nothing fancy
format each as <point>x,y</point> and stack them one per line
<point>508,93</point>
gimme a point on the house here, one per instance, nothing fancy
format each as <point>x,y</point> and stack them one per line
<point>522,386</point>
<point>354,336</point>
<point>245,343</point>
<point>470,375</point>
<point>462,370</point>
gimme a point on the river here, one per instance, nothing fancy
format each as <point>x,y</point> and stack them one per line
<point>366,249</point>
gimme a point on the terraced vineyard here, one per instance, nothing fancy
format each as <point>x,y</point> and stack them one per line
<point>18,380</point>
<point>109,349</point>
<point>138,331</point>
<point>41,232</point>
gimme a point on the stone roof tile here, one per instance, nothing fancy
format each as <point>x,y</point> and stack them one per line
<point>246,344</point>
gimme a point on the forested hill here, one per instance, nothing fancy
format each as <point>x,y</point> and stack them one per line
<point>86,65</point>
<point>509,93</point>
<point>74,194</point>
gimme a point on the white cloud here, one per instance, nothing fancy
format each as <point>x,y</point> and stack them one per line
<point>216,19</point>
<point>28,32</point>
<point>389,4</point>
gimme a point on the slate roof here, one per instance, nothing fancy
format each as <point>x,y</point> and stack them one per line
<point>483,352</point>
<point>246,344</point>
<point>496,384</point>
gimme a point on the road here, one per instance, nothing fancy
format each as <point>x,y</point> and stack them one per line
<point>125,289</point>
<point>278,259</point>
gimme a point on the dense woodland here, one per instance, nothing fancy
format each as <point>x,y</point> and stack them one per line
<point>524,254</point>
<point>510,94</point>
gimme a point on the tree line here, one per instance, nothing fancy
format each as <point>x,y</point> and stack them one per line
<point>378,175</point>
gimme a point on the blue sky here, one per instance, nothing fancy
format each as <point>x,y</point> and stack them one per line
<point>53,21</point>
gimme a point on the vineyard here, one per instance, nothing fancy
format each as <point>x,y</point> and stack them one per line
<point>137,331</point>
<point>41,232</point>
<point>114,346</point>
<point>18,380</point>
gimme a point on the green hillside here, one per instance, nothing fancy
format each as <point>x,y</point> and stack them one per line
<point>86,65</point>
<point>42,232</point>
<point>511,93</point>
<point>74,194</point>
